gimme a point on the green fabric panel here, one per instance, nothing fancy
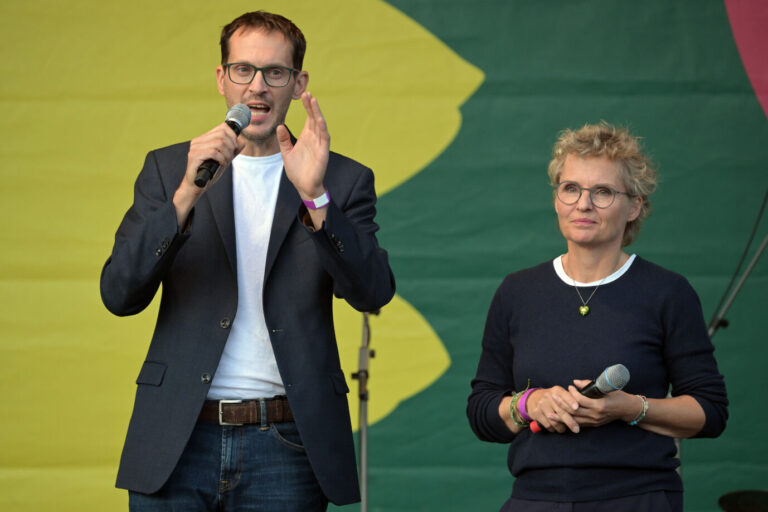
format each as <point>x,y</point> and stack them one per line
<point>672,73</point>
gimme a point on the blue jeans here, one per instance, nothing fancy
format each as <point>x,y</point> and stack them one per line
<point>246,468</point>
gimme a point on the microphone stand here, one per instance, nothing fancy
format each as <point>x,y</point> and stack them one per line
<point>740,500</point>
<point>720,320</point>
<point>362,375</point>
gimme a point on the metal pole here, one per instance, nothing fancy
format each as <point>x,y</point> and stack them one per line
<point>364,356</point>
<point>720,320</point>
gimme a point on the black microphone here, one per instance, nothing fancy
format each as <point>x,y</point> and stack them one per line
<point>238,117</point>
<point>613,378</point>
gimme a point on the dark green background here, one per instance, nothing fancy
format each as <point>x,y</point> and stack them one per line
<point>671,72</point>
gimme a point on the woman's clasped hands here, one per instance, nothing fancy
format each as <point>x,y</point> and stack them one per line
<point>557,409</point>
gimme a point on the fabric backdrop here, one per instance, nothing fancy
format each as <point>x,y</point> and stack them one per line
<point>455,105</point>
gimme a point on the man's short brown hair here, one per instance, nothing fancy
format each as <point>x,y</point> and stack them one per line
<point>262,20</point>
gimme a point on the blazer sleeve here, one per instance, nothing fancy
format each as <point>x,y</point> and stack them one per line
<point>146,242</point>
<point>348,249</point>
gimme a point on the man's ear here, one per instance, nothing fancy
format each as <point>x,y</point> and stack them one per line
<point>300,84</point>
<point>221,75</point>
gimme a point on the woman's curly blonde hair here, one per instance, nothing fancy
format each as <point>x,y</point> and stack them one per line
<point>635,169</point>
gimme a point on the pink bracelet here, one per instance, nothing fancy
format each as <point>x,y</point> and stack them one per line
<point>521,405</point>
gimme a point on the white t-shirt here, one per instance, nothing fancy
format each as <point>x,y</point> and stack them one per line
<point>558,264</point>
<point>248,368</point>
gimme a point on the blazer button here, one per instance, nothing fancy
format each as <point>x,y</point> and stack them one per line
<point>205,378</point>
<point>158,252</point>
<point>225,323</point>
<point>164,244</point>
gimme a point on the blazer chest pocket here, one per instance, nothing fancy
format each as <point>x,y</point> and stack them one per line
<point>151,373</point>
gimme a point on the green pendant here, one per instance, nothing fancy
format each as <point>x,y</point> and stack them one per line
<point>584,310</point>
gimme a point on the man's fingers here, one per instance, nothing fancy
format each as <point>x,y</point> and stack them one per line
<point>221,134</point>
<point>306,100</point>
<point>315,120</point>
<point>211,153</point>
<point>318,114</point>
<point>284,139</point>
<point>220,140</point>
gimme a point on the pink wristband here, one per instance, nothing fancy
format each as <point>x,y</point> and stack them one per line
<point>318,202</point>
<point>521,405</point>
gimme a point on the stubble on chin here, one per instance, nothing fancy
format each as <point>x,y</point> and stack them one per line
<point>263,136</point>
<point>259,137</point>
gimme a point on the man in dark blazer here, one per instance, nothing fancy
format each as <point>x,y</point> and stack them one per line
<point>293,451</point>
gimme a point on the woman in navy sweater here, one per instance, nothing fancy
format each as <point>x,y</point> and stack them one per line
<point>552,327</point>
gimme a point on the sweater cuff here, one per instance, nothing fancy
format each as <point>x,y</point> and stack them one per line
<point>714,419</point>
<point>494,421</point>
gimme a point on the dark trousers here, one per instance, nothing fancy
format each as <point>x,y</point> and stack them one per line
<point>657,501</point>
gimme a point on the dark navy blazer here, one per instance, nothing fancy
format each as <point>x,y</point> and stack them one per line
<point>197,270</point>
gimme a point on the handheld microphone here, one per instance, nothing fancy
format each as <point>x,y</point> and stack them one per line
<point>613,378</point>
<point>238,117</point>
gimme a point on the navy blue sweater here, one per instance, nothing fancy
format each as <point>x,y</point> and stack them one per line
<point>650,320</point>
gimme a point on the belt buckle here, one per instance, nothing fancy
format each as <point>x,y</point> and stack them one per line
<point>224,423</point>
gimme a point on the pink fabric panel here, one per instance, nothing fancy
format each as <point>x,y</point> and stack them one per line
<point>749,23</point>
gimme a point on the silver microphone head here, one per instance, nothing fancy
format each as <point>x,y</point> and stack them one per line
<point>240,115</point>
<point>613,378</point>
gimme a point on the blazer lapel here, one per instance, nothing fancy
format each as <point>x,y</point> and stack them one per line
<point>286,210</point>
<point>219,196</point>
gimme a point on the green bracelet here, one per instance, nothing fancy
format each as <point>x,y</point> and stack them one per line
<point>640,416</point>
<point>513,411</point>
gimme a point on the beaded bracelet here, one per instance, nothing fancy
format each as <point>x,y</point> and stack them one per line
<point>514,413</point>
<point>640,416</point>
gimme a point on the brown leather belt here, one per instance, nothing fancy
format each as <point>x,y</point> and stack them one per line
<point>245,412</point>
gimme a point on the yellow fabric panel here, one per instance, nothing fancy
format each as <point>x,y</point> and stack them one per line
<point>89,87</point>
